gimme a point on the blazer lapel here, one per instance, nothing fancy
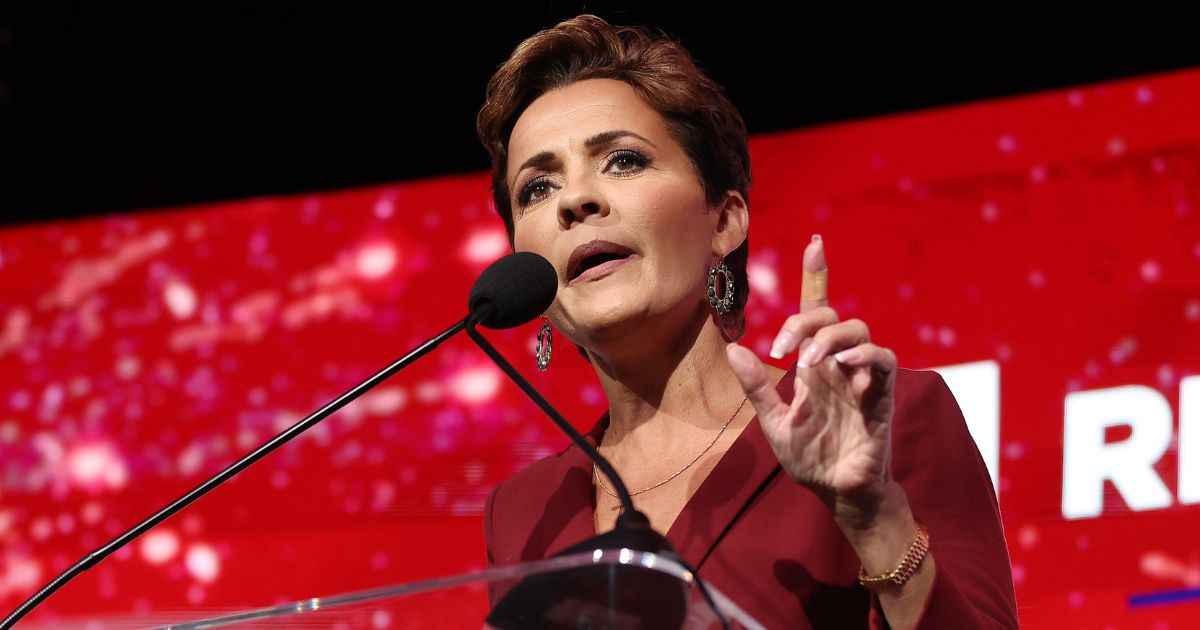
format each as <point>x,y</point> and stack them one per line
<point>740,475</point>
<point>569,517</point>
<point>743,471</point>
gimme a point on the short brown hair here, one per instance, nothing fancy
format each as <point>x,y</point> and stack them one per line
<point>661,71</point>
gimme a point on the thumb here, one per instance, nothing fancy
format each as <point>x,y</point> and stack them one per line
<point>756,383</point>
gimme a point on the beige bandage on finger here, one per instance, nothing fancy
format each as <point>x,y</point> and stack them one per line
<point>814,285</point>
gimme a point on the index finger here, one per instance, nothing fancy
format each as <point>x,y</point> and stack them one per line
<point>814,283</point>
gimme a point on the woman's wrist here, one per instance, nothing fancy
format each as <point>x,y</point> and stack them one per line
<point>880,533</point>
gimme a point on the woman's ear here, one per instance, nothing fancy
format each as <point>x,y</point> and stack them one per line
<point>733,222</point>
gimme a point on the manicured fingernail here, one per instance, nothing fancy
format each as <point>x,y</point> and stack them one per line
<point>853,354</point>
<point>780,345</point>
<point>810,355</point>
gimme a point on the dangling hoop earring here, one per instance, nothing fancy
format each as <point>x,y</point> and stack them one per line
<point>723,304</point>
<point>545,345</point>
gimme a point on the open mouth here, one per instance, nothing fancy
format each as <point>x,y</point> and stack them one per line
<point>595,257</point>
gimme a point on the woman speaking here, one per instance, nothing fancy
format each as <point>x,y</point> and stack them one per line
<point>845,492</point>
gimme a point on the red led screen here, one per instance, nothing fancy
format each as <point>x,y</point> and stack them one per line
<point>1042,251</point>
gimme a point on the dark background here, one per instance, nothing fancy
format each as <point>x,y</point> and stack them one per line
<point>123,106</point>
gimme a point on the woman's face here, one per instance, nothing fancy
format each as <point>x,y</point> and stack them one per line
<point>600,188</point>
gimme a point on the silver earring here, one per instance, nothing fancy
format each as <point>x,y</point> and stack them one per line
<point>545,345</point>
<point>723,304</point>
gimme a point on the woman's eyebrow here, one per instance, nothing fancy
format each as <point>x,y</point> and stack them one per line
<point>607,137</point>
<point>601,139</point>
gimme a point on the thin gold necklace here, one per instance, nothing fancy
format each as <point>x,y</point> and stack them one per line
<point>600,480</point>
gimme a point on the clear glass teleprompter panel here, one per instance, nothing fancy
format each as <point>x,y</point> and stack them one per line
<point>595,590</point>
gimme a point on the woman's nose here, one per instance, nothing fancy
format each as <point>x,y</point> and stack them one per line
<point>580,201</point>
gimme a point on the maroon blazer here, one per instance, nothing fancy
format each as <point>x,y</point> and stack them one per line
<point>772,546</point>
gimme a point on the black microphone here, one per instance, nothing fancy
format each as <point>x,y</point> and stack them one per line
<point>500,297</point>
<point>514,290</point>
<point>511,292</point>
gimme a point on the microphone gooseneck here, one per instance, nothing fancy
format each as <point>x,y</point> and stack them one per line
<point>629,515</point>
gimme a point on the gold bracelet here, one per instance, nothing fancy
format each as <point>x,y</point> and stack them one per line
<point>908,564</point>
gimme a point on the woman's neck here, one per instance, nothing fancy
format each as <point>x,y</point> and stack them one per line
<point>669,385</point>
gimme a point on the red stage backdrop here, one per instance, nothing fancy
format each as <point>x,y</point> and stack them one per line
<point>1042,252</point>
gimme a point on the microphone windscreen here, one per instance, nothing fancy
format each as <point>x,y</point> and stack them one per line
<point>519,286</point>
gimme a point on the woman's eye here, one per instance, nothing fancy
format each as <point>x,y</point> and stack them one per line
<point>628,161</point>
<point>527,195</point>
<point>623,162</point>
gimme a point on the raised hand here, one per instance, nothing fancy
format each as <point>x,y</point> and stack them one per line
<point>835,435</point>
